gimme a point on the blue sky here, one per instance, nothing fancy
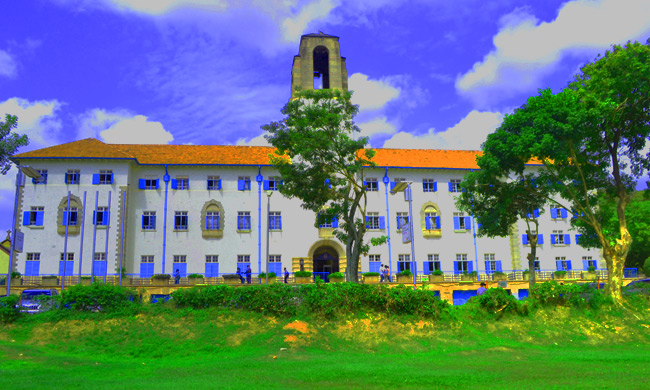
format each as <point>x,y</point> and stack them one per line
<point>426,73</point>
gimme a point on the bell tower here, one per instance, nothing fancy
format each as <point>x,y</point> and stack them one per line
<point>319,64</point>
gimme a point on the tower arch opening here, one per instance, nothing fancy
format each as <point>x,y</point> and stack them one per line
<point>321,68</point>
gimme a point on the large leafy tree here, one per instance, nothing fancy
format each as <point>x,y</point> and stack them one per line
<point>325,164</point>
<point>9,142</point>
<point>589,140</point>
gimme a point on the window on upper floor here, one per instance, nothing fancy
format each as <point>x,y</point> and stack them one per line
<point>243,220</point>
<point>402,218</point>
<point>149,220</point>
<point>272,184</point>
<point>244,183</point>
<point>371,182</point>
<point>275,220</point>
<point>429,185</point>
<point>431,218</point>
<point>374,221</point>
<point>212,220</point>
<point>559,238</point>
<point>214,183</point>
<point>180,220</point>
<point>34,217</point>
<point>559,213</point>
<point>462,222</point>
<point>454,185</point>
<point>182,183</point>
<point>72,176</point>
<point>101,216</point>
<point>105,176</point>
<point>43,179</point>
<point>70,217</point>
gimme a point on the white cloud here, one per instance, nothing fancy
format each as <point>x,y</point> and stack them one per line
<point>371,94</point>
<point>7,65</point>
<point>38,120</point>
<point>468,134</point>
<point>255,141</point>
<point>526,50</point>
<point>158,7</point>
<point>376,126</point>
<point>295,25</point>
<point>122,127</point>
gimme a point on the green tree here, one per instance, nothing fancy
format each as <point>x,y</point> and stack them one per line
<point>322,165</point>
<point>498,200</point>
<point>588,140</point>
<point>9,142</point>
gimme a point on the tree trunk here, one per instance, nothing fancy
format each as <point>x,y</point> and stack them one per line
<point>615,260</point>
<point>531,259</point>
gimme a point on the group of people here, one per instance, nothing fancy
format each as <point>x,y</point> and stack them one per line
<point>248,272</point>
<point>384,273</point>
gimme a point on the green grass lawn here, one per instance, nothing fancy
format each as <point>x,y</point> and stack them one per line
<point>553,349</point>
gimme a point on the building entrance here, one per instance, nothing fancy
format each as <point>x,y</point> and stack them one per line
<point>326,261</point>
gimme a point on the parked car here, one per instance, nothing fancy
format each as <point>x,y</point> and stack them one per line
<point>36,301</point>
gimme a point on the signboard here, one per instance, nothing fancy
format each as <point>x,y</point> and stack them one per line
<point>20,238</point>
<point>406,233</point>
<point>503,284</point>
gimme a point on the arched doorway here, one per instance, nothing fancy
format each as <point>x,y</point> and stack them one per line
<point>326,261</point>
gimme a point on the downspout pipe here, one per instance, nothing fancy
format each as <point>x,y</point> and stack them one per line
<point>65,241</point>
<point>106,243</point>
<point>92,269</point>
<point>81,246</point>
<point>122,234</point>
<point>386,181</point>
<point>478,276</point>
<point>166,180</point>
<point>19,180</point>
<point>259,180</point>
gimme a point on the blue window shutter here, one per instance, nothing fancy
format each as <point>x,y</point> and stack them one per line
<point>382,223</point>
<point>174,184</point>
<point>540,239</point>
<point>218,223</point>
<point>438,222</point>
<point>278,222</point>
<point>241,186</point>
<point>456,223</point>
<point>95,178</point>
<point>470,266</point>
<point>558,265</point>
<point>392,185</point>
<point>536,213</point>
<point>450,187</point>
<point>156,183</point>
<point>110,178</point>
<point>499,267</point>
<point>107,218</point>
<point>39,218</point>
<point>585,265</point>
<point>335,222</point>
<point>367,222</point>
<point>435,186</point>
<point>468,223</point>
<point>427,223</point>
<point>577,238</point>
<point>140,183</point>
<point>28,268</point>
<point>219,184</point>
<point>487,266</point>
<point>61,265</point>
<point>553,239</point>
<point>424,186</point>
<point>456,267</point>
<point>553,213</point>
<point>568,265</point>
<point>567,239</point>
<point>399,220</point>
<point>524,239</point>
<point>564,213</point>
<point>65,218</point>
<point>266,185</point>
<point>94,217</point>
<point>327,181</point>
<point>26,218</point>
<point>143,221</point>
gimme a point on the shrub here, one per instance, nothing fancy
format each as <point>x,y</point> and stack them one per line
<point>437,272</point>
<point>576,295</point>
<point>339,275</point>
<point>591,269</point>
<point>8,310</point>
<point>161,276</point>
<point>86,277</point>
<point>302,274</point>
<point>271,275</point>
<point>15,274</point>
<point>497,301</point>
<point>560,274</point>
<point>646,267</point>
<point>498,273</point>
<point>526,271</point>
<point>405,273</point>
<point>98,296</point>
<point>370,274</point>
<point>194,276</point>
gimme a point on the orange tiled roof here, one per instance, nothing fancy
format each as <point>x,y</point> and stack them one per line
<point>239,155</point>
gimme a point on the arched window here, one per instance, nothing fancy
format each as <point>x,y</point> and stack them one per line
<point>70,217</point>
<point>321,68</point>
<point>430,221</point>
<point>212,219</point>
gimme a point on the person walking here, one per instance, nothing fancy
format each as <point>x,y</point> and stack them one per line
<point>177,277</point>
<point>481,290</point>
<point>241,278</point>
<point>248,275</point>
<point>387,270</point>
<point>286,275</point>
<point>381,273</point>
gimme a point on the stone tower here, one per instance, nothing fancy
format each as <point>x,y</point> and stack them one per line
<point>319,62</point>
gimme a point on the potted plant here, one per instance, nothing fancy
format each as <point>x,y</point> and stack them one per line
<point>49,280</point>
<point>559,275</point>
<point>232,279</point>
<point>498,275</point>
<point>160,279</point>
<point>370,277</point>
<point>337,277</point>
<point>469,276</point>
<point>437,276</point>
<point>272,277</point>
<point>405,276</point>
<point>194,279</point>
<point>302,277</point>
<point>16,278</point>
<point>590,273</point>
<point>526,274</point>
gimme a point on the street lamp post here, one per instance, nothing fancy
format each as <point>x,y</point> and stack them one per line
<point>31,172</point>
<point>268,230</point>
<point>401,187</point>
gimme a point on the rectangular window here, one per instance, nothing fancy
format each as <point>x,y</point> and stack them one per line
<point>275,220</point>
<point>274,182</point>
<point>562,264</point>
<point>43,180</point>
<point>243,258</point>
<point>101,216</point>
<point>402,219</point>
<point>70,256</point>
<point>180,259</point>
<point>431,219</point>
<point>559,213</point>
<point>149,220</point>
<point>454,185</point>
<point>214,183</point>
<point>461,222</point>
<point>244,183</point>
<point>34,217</point>
<point>432,263</point>
<point>33,256</point>
<point>403,262</point>
<point>212,220</point>
<point>462,264</point>
<point>105,177</point>
<point>275,258</point>
<point>182,183</point>
<point>537,264</point>
<point>146,259</point>
<point>72,176</point>
<point>146,266</point>
<point>180,220</point>
<point>490,263</point>
<point>588,261</point>
<point>371,182</point>
<point>151,183</point>
<point>99,256</point>
<point>374,221</point>
<point>211,258</point>
<point>374,258</point>
<point>243,220</point>
<point>70,217</point>
<point>557,237</point>
<point>429,185</point>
